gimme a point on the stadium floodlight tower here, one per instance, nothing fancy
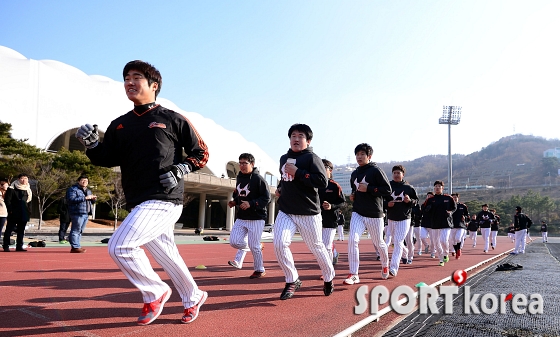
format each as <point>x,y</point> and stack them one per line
<point>451,116</point>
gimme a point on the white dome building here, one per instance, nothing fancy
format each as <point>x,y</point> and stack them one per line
<point>46,101</point>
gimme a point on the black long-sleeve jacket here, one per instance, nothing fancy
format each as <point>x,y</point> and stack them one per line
<point>334,196</point>
<point>370,203</point>
<point>495,225</point>
<point>426,220</point>
<point>473,226</point>
<point>400,210</point>
<point>299,194</point>
<point>416,216</point>
<point>145,145</point>
<point>521,221</point>
<point>252,188</point>
<point>460,216</point>
<point>485,219</point>
<point>438,208</point>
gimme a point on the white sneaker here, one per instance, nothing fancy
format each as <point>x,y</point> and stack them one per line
<point>234,264</point>
<point>352,279</point>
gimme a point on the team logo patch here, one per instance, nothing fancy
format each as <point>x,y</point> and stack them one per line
<point>157,125</point>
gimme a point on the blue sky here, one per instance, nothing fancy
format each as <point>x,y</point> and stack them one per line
<point>355,71</point>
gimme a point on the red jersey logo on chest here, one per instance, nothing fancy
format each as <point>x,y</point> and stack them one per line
<point>157,125</point>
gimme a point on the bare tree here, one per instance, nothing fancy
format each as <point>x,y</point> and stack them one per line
<point>48,184</point>
<point>116,196</point>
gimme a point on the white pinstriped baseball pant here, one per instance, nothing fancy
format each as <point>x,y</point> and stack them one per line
<point>246,236</point>
<point>422,236</point>
<point>472,235</point>
<point>151,225</point>
<point>340,230</point>
<point>434,238</point>
<point>457,236</point>
<point>399,230</point>
<point>442,242</point>
<point>486,237</point>
<point>374,226</point>
<point>409,240</point>
<point>309,227</point>
<point>494,237</point>
<point>328,239</point>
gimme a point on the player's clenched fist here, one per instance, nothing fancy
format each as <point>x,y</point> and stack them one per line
<point>174,174</point>
<point>88,135</point>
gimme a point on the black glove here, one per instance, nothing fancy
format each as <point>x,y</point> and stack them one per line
<point>174,175</point>
<point>88,135</point>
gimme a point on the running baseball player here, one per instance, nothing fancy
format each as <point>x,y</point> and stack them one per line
<point>331,199</point>
<point>485,219</point>
<point>494,228</point>
<point>302,174</point>
<point>440,208</point>
<point>147,143</point>
<point>369,186</point>
<point>473,229</point>
<point>458,232</point>
<point>399,210</point>
<point>252,197</point>
<point>522,223</point>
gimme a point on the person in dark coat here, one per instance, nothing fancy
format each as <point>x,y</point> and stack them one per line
<point>64,220</point>
<point>17,199</point>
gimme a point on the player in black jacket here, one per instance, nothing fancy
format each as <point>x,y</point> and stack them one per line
<point>331,199</point>
<point>485,219</point>
<point>544,231</point>
<point>494,228</point>
<point>458,232</point>
<point>147,144</point>
<point>522,223</point>
<point>399,211</point>
<point>252,197</point>
<point>426,229</point>
<point>472,227</point>
<point>303,173</point>
<point>369,186</point>
<point>440,208</point>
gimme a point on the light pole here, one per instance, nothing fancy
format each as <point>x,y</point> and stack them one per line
<point>451,116</point>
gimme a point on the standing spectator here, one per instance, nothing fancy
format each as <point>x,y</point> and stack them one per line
<point>472,227</point>
<point>440,208</point>
<point>17,199</point>
<point>303,173</point>
<point>148,143</point>
<point>331,199</point>
<point>399,211</point>
<point>3,210</point>
<point>369,186</point>
<point>80,201</point>
<point>544,231</point>
<point>494,228</point>
<point>485,219</point>
<point>64,219</point>
<point>457,237</point>
<point>522,223</point>
<point>252,196</point>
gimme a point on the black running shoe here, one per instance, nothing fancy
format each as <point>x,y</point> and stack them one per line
<point>328,288</point>
<point>290,289</point>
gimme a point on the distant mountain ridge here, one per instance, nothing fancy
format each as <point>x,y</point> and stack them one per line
<point>512,161</point>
